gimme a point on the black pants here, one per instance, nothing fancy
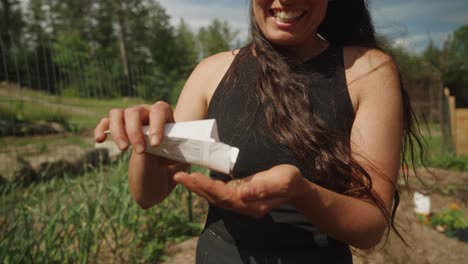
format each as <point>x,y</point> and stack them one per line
<point>212,249</point>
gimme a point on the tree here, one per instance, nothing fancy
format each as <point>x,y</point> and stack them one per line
<point>37,19</point>
<point>186,49</point>
<point>11,22</point>
<point>73,15</point>
<point>216,38</point>
<point>433,55</point>
<point>423,82</point>
<point>456,71</point>
<point>11,28</point>
<point>102,18</point>
<point>85,46</point>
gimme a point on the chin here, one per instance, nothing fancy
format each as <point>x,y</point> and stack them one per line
<point>284,40</point>
<point>288,38</point>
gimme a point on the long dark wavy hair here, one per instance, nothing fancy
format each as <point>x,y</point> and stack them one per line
<point>284,98</point>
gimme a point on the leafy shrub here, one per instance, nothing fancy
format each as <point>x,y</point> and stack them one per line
<point>449,161</point>
<point>449,220</point>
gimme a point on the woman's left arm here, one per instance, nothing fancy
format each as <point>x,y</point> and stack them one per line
<point>376,138</point>
<point>375,143</point>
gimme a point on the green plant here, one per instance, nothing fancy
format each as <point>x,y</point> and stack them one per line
<point>19,110</point>
<point>449,220</point>
<point>70,92</point>
<point>7,114</point>
<point>437,155</point>
<point>448,161</point>
<point>90,219</point>
<point>42,147</point>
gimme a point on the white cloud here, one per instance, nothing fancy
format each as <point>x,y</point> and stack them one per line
<point>417,43</point>
<point>411,23</point>
<point>402,12</point>
<point>201,13</point>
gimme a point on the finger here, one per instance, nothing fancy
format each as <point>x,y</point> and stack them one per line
<point>261,190</point>
<point>101,127</point>
<point>216,192</point>
<point>187,181</point>
<point>276,182</point>
<point>256,187</point>
<point>160,114</point>
<point>117,128</point>
<point>252,192</point>
<point>135,117</point>
<point>223,194</point>
<point>259,209</point>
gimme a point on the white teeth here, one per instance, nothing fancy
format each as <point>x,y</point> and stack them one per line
<point>286,16</point>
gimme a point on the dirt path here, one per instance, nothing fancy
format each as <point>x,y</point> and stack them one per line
<point>425,244</point>
<point>183,253</point>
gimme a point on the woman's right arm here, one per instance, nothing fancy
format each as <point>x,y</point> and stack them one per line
<point>150,177</point>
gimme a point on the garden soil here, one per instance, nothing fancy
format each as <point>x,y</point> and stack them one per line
<point>425,244</point>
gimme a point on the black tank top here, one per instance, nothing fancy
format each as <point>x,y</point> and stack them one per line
<point>241,123</point>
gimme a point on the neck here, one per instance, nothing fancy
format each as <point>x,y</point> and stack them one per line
<point>306,50</point>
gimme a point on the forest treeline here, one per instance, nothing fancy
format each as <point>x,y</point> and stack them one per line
<point>111,48</point>
<point>102,48</point>
<point>447,65</point>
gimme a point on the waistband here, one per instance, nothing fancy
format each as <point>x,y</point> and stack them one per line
<point>222,247</point>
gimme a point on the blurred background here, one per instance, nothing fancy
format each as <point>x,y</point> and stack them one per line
<point>64,64</point>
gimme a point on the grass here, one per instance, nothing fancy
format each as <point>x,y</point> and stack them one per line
<point>437,156</point>
<point>77,114</point>
<point>91,219</point>
<point>80,112</point>
<point>50,141</point>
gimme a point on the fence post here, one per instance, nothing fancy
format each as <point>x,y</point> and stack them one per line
<point>461,142</point>
<point>453,122</point>
<point>446,123</point>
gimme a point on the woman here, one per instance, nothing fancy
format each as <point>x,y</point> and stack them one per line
<point>319,115</point>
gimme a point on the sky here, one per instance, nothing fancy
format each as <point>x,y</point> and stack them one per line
<point>409,23</point>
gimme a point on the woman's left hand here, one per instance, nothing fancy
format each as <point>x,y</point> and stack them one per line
<point>255,195</point>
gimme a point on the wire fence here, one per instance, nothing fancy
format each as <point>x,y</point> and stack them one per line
<point>52,93</point>
<point>61,69</point>
<point>426,97</point>
<point>454,125</point>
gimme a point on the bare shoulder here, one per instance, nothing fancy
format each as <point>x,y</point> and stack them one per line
<point>369,71</point>
<point>360,62</point>
<point>221,60</point>
<point>197,92</point>
<point>211,70</point>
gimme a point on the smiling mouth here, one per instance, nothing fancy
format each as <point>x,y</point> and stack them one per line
<point>283,16</point>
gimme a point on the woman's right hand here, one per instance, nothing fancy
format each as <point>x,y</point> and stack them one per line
<point>149,177</point>
<point>125,125</point>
